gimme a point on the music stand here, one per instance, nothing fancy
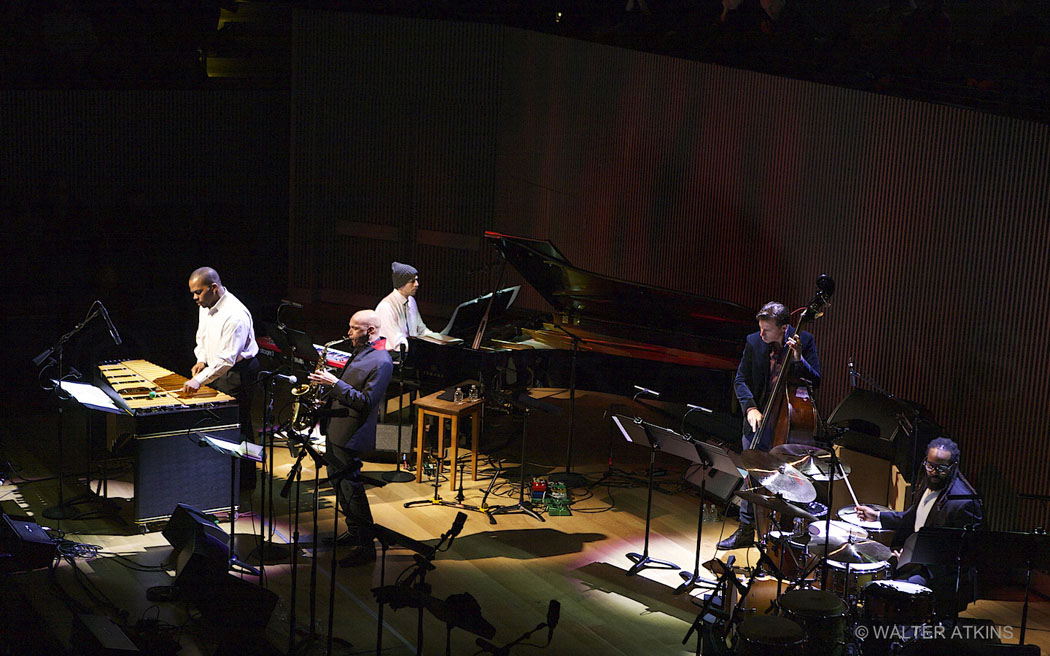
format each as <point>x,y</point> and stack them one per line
<point>302,346</point>
<point>655,438</point>
<point>237,452</point>
<point>708,457</point>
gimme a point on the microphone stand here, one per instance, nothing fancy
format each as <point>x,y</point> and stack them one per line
<point>570,478</point>
<point>399,475</point>
<point>266,550</point>
<point>63,509</point>
<point>295,475</point>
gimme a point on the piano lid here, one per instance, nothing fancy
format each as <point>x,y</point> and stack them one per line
<point>610,306</point>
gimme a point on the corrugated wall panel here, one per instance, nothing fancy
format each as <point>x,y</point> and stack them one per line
<point>931,219</point>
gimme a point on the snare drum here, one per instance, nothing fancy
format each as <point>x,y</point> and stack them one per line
<point>875,531</point>
<point>896,602</point>
<point>822,617</point>
<point>769,635</point>
<point>847,579</point>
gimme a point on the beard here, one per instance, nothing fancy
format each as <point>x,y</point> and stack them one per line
<point>937,483</point>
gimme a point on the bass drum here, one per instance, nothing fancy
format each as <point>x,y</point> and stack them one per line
<point>875,531</point>
<point>769,635</point>
<point>822,617</point>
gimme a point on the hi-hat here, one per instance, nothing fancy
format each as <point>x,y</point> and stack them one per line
<point>777,476</point>
<point>811,461</point>
<point>776,503</point>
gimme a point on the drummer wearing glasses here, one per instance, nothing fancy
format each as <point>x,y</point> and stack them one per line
<point>945,498</point>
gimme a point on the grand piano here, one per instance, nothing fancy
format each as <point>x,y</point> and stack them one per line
<point>683,345</point>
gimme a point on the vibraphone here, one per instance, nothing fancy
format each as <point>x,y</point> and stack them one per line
<point>167,430</point>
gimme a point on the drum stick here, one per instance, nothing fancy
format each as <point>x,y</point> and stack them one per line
<point>845,478</point>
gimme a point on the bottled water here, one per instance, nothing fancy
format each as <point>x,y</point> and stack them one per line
<point>458,396</point>
<point>473,393</point>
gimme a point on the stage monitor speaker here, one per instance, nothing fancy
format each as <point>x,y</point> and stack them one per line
<point>719,485</point>
<point>236,607</point>
<point>200,566</point>
<point>24,545</point>
<point>894,443</point>
<point>186,522</point>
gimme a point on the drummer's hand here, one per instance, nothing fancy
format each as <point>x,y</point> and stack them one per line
<point>867,514</point>
<point>896,553</point>
<point>754,418</point>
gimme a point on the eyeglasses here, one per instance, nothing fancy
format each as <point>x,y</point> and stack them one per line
<point>940,469</point>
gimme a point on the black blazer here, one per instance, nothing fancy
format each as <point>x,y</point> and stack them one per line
<point>956,513</point>
<point>359,391</point>
<point>752,374</point>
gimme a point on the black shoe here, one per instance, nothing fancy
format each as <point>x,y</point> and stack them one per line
<point>343,540</point>
<point>359,555</point>
<point>743,537</point>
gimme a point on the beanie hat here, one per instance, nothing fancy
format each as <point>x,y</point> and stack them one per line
<point>402,274</point>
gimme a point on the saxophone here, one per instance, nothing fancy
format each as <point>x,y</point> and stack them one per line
<point>308,395</point>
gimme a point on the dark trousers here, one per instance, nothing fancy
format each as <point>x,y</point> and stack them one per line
<point>350,493</point>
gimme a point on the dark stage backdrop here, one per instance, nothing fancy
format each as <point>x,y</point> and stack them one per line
<point>118,196</point>
<point>411,138</point>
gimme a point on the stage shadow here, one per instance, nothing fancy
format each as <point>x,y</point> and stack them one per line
<point>521,543</point>
<point>656,597</point>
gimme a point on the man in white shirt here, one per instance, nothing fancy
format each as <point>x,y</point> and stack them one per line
<point>398,315</point>
<point>225,351</point>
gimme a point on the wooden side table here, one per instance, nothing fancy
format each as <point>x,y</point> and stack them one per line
<point>432,406</point>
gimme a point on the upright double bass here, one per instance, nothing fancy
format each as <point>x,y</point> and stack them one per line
<point>788,411</point>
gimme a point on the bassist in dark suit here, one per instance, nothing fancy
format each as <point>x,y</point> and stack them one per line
<point>755,378</point>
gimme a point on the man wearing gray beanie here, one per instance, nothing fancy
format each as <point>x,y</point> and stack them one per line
<point>398,315</point>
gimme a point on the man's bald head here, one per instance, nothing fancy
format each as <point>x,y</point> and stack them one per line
<point>206,287</point>
<point>366,319</point>
<point>206,276</point>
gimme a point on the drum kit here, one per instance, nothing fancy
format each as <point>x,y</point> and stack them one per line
<point>817,614</point>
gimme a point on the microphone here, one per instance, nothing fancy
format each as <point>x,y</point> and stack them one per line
<point>297,306</point>
<point>109,323</point>
<point>646,390</point>
<point>852,374</point>
<point>553,613</point>
<point>291,380</point>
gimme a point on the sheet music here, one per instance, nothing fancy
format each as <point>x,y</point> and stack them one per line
<point>91,396</point>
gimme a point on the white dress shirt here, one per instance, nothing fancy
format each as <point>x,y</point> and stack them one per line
<point>399,319</point>
<point>225,336</point>
<point>922,511</point>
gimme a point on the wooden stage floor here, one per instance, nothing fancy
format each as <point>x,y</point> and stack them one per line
<point>512,568</point>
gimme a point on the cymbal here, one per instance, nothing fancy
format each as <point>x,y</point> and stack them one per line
<point>776,503</point>
<point>811,461</point>
<point>777,476</point>
<point>840,532</point>
<point>860,552</point>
